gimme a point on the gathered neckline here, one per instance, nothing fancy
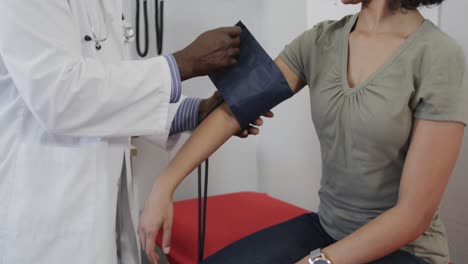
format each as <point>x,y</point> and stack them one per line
<point>389,61</point>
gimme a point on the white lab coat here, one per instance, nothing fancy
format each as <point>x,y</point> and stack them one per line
<point>66,114</point>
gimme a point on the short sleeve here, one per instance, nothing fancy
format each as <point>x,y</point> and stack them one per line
<point>442,94</point>
<point>296,55</point>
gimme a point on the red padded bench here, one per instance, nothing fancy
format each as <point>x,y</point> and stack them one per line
<point>230,217</point>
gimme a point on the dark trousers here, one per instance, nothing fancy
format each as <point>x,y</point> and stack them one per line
<point>288,243</point>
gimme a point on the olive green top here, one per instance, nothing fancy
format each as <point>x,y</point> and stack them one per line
<point>364,132</point>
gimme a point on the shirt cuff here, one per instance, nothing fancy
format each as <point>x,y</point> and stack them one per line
<point>186,118</point>
<point>176,90</point>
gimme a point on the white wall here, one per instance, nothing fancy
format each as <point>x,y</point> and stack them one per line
<point>454,207</point>
<point>234,166</point>
<point>288,150</point>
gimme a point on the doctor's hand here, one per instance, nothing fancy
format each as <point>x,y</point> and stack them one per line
<point>157,213</point>
<point>212,51</point>
<point>208,105</point>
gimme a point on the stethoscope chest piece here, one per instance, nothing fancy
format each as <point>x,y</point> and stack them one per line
<point>129,33</point>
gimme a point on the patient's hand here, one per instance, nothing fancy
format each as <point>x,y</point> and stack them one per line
<point>158,213</point>
<point>207,105</point>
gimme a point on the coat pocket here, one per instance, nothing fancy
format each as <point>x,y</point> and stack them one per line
<point>55,187</point>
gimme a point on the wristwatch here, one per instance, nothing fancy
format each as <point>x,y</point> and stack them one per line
<point>317,257</point>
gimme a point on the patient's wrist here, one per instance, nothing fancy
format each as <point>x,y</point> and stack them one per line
<point>164,185</point>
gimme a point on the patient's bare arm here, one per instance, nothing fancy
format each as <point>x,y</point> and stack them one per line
<point>210,135</point>
<point>205,140</point>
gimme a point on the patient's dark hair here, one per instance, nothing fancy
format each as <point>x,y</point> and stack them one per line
<point>413,4</point>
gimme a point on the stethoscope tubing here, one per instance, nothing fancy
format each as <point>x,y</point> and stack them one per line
<point>159,22</point>
<point>142,52</point>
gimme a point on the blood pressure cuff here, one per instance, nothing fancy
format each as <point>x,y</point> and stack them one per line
<point>254,85</point>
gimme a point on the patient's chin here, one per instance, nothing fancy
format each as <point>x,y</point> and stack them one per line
<point>352,2</point>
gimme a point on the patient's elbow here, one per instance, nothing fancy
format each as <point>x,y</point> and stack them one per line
<point>419,219</point>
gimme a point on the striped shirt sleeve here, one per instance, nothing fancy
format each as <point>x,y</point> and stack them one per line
<point>186,118</point>
<point>176,90</point>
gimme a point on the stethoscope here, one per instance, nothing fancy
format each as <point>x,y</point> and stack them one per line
<point>159,21</point>
<point>128,31</point>
<point>98,40</point>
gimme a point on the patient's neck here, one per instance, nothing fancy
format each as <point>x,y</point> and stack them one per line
<point>377,16</point>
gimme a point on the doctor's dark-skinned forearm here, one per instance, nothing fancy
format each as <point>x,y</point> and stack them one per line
<point>212,51</point>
